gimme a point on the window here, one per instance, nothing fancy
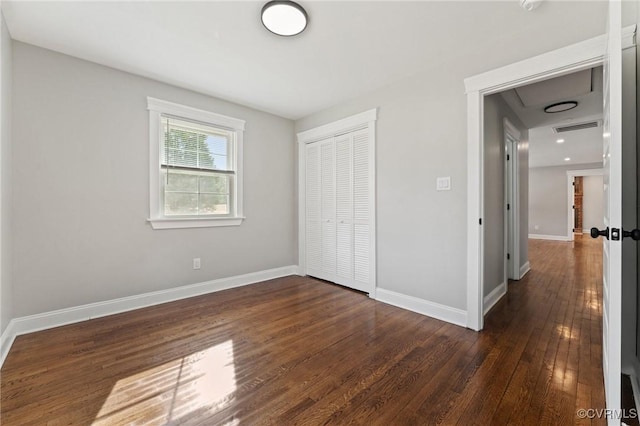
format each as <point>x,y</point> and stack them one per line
<point>196,167</point>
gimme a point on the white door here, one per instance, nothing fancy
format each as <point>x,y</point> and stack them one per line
<point>328,209</point>
<point>344,209</point>
<point>363,223</point>
<point>612,253</point>
<point>313,227</point>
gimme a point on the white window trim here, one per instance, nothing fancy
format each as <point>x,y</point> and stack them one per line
<point>156,218</point>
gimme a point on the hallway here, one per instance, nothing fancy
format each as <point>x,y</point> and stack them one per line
<point>553,318</point>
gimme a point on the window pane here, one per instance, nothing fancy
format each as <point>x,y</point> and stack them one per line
<point>192,153</point>
<point>205,161</point>
<point>182,158</point>
<point>217,144</point>
<point>181,139</point>
<point>177,203</point>
<point>214,204</point>
<point>178,181</point>
<point>220,162</point>
<point>218,184</point>
<point>195,145</point>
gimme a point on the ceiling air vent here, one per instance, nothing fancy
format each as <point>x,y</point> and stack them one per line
<point>580,126</point>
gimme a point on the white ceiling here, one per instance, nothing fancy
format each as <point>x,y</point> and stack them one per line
<point>582,146</point>
<point>585,87</point>
<point>349,48</point>
<point>550,91</point>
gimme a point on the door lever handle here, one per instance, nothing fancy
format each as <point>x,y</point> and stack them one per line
<point>595,233</point>
<point>634,234</point>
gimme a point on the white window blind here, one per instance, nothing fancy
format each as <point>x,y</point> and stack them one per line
<point>196,168</point>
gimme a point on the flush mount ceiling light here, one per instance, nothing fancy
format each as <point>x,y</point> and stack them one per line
<point>567,159</point>
<point>560,107</point>
<point>284,18</point>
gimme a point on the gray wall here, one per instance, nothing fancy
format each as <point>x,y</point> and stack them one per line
<point>548,198</point>
<point>495,110</point>
<point>81,189</point>
<point>6,287</point>
<point>592,202</point>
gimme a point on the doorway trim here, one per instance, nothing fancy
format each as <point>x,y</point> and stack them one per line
<point>577,57</point>
<point>571,174</point>
<point>511,257</point>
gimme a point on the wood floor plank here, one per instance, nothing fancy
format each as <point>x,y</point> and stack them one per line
<point>298,350</point>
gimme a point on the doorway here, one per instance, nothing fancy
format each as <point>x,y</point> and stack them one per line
<point>578,57</point>
<point>522,134</point>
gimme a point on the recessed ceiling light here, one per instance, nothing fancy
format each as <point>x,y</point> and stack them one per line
<point>560,141</point>
<point>560,107</point>
<point>284,18</point>
<point>567,159</point>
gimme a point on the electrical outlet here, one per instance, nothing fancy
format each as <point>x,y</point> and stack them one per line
<point>196,263</point>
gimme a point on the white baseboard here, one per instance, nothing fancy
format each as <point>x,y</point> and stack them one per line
<point>6,340</point>
<point>424,307</point>
<point>32,323</point>
<point>492,298</point>
<point>524,269</point>
<point>549,237</point>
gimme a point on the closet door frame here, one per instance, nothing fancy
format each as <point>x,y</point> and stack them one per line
<point>363,120</point>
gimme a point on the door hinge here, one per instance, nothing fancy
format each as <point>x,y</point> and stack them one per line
<point>480,221</point>
<point>508,157</point>
<point>573,207</point>
<point>508,256</point>
<point>508,206</point>
<point>573,183</point>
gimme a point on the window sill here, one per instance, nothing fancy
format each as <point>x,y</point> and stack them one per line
<point>207,222</point>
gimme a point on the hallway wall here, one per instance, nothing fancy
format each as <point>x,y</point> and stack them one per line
<point>592,203</point>
<point>495,110</point>
<point>548,199</point>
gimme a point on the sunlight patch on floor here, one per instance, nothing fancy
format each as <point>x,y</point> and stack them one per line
<point>201,382</point>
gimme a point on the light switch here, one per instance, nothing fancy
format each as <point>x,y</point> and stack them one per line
<point>443,183</point>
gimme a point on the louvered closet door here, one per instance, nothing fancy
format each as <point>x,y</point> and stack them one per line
<point>344,210</point>
<point>361,210</point>
<point>313,228</point>
<point>328,209</point>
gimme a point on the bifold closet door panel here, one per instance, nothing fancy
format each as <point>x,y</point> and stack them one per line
<point>344,209</point>
<point>361,208</point>
<point>328,208</point>
<point>313,229</point>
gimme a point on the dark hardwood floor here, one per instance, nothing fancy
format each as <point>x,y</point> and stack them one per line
<point>301,351</point>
